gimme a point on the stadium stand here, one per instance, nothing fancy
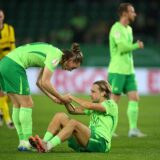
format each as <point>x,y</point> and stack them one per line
<point>38,20</point>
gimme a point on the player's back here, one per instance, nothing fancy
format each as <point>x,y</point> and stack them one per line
<point>33,54</point>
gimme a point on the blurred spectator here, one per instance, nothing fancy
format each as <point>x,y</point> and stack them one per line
<point>62,36</point>
<point>151,23</point>
<point>86,13</point>
<point>97,32</point>
<point>79,24</point>
<point>27,40</point>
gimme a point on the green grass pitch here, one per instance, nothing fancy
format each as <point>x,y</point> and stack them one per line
<point>123,148</point>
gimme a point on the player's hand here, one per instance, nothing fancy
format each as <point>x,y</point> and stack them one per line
<point>69,96</point>
<point>140,44</point>
<point>70,106</point>
<point>66,99</point>
<point>56,100</point>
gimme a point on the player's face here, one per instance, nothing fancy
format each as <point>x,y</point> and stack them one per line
<point>95,93</point>
<point>1,17</point>
<point>70,65</point>
<point>131,14</point>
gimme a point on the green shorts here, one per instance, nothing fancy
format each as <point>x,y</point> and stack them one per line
<point>13,78</point>
<point>95,144</point>
<point>122,83</point>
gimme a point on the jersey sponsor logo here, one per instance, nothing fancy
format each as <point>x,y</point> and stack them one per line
<point>55,62</point>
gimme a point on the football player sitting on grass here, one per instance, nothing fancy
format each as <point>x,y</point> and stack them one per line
<point>97,137</point>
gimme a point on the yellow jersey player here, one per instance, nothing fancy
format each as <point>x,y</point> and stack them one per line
<point>7,43</point>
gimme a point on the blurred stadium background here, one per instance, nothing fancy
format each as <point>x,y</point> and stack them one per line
<point>61,22</point>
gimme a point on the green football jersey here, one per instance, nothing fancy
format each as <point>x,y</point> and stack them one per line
<point>37,55</point>
<point>104,123</point>
<point>121,46</point>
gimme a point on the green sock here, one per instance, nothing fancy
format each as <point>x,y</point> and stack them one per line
<point>48,136</point>
<point>16,121</point>
<point>26,121</point>
<point>54,142</point>
<point>132,113</point>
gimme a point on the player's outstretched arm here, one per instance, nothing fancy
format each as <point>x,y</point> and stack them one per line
<point>39,84</point>
<point>88,105</point>
<point>46,84</point>
<point>74,110</point>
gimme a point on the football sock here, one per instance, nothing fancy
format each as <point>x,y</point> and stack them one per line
<point>48,136</point>
<point>132,113</point>
<point>16,121</point>
<point>53,142</point>
<point>26,121</point>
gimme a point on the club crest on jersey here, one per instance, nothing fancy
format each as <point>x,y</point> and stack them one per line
<point>55,62</point>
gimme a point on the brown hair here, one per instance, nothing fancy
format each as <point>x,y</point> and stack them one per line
<point>75,53</point>
<point>104,86</point>
<point>123,8</point>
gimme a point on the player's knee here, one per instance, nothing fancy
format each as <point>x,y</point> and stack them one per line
<point>30,103</point>
<point>61,115</point>
<point>73,123</point>
<point>134,98</point>
<point>15,104</point>
<point>115,96</point>
<point>27,104</point>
